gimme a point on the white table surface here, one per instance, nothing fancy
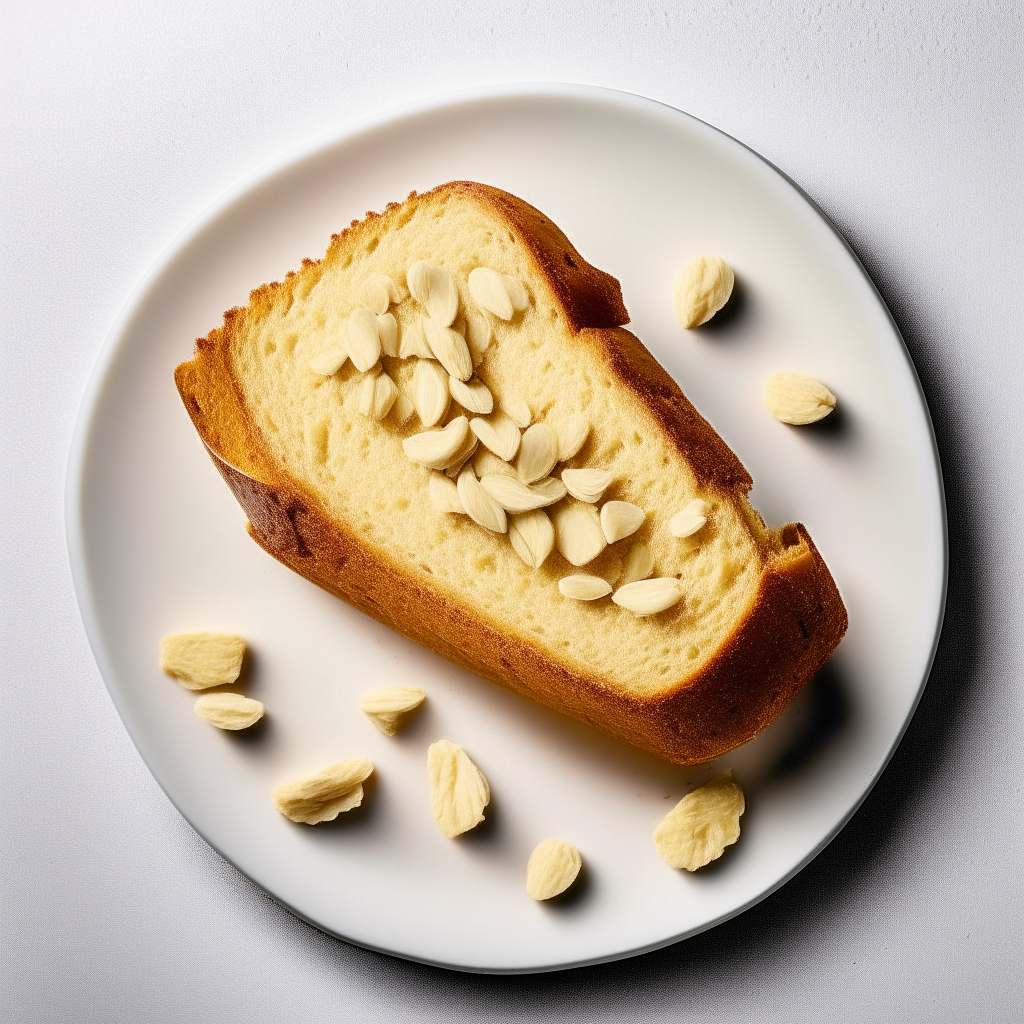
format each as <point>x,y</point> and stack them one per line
<point>120,122</point>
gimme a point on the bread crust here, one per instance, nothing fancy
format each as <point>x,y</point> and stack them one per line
<point>794,623</point>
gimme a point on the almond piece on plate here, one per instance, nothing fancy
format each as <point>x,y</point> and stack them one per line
<point>389,706</point>
<point>458,790</point>
<point>229,711</point>
<point>325,794</point>
<point>553,867</point>
<point>699,828</point>
<point>201,660</point>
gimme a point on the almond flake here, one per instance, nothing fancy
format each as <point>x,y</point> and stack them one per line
<point>699,828</point>
<point>620,519</point>
<point>488,290</point>
<point>449,349</point>
<point>586,484</point>
<point>458,790</point>
<point>578,533</point>
<point>498,433</point>
<point>387,331</point>
<point>550,488</point>
<point>388,706</point>
<point>689,520</point>
<point>513,495</point>
<point>362,340</point>
<point>797,399</point>
<point>323,795</point>
<point>438,449</point>
<point>479,505</point>
<point>433,287</point>
<point>329,361</point>
<point>584,588</point>
<point>377,394</point>
<point>487,463</point>
<point>702,290</point>
<point>201,660</point>
<point>572,432</point>
<point>517,292</point>
<point>229,711</point>
<point>463,455</point>
<point>516,410</point>
<point>532,537</point>
<point>414,342</point>
<point>375,293</point>
<point>403,410</point>
<point>478,336</point>
<point>430,391</point>
<point>639,565</point>
<point>473,395</point>
<point>648,597</point>
<point>444,494</point>
<point>538,453</point>
<point>553,867</point>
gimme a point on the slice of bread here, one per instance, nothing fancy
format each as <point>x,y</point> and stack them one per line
<point>332,493</point>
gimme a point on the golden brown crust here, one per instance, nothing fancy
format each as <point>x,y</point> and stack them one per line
<point>794,623</point>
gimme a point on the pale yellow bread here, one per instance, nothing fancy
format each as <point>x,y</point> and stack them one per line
<point>331,492</point>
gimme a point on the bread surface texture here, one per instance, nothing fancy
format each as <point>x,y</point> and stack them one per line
<point>330,491</point>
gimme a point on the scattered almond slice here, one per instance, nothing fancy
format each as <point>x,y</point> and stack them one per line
<point>387,331</point>
<point>201,660</point>
<point>648,597</point>
<point>554,865</point>
<point>438,449</point>
<point>388,706</point>
<point>551,489</point>
<point>516,410</point>
<point>479,505</point>
<point>377,393</point>
<point>578,534</point>
<point>444,494</point>
<point>325,794</point>
<point>572,432</point>
<point>532,537</point>
<point>689,520</point>
<point>433,287</point>
<point>797,399</point>
<point>538,453</point>
<point>329,361</point>
<point>229,711</point>
<point>449,349</point>
<point>620,519</point>
<point>403,410</point>
<point>375,293</point>
<point>584,588</point>
<point>486,463</point>
<point>473,395</point>
<point>498,433</point>
<point>414,342</point>
<point>463,455</point>
<point>702,290</point>
<point>515,496</point>
<point>458,790</point>
<point>517,292</point>
<point>362,339</point>
<point>430,393</point>
<point>489,292</point>
<point>586,484</point>
<point>478,336</point>
<point>639,565</point>
<point>699,828</point>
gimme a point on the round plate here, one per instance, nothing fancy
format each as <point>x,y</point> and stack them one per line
<point>157,547</point>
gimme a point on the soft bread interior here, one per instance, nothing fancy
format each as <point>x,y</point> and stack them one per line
<point>357,470</point>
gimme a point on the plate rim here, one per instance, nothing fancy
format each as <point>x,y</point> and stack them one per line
<point>288,158</point>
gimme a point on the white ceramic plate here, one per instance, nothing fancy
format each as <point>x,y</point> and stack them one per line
<point>157,546</point>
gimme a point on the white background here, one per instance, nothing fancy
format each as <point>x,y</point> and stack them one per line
<point>120,123</point>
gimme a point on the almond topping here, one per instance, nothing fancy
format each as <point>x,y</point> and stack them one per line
<point>458,790</point>
<point>550,488</point>
<point>478,336</point>
<point>473,395</point>
<point>444,494</point>
<point>584,588</point>
<point>375,293</point>
<point>229,710</point>
<point>572,432</point>
<point>414,342</point>
<point>532,537</point>
<point>620,519</point>
<point>486,463</point>
<point>516,292</point>
<point>201,660</point>
<point>434,288</point>
<point>449,349</point>
<point>699,828</point>
<point>323,795</point>
<point>463,455</point>
<point>479,505</point>
<point>403,410</point>
<point>387,331</point>
<point>797,399</point>
<point>362,339</point>
<point>648,597</point>
<point>538,453</point>
<point>702,290</point>
<point>515,496</point>
<point>498,433</point>
<point>388,706</point>
<point>689,520</point>
<point>377,393</point>
<point>639,565</point>
<point>430,392</point>
<point>488,290</point>
<point>553,867</point>
<point>586,484</point>
<point>438,449</point>
<point>578,533</point>
<point>516,410</point>
<point>329,361</point>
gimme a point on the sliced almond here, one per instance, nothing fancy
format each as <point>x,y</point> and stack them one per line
<point>538,453</point>
<point>438,449</point>
<point>458,790</point>
<point>388,706</point>
<point>639,564</point>
<point>797,399</point>
<point>329,361</point>
<point>430,392</point>
<point>473,395</point>
<point>488,290</point>
<point>201,660</point>
<point>323,795</point>
<point>553,867</point>
<point>479,505</point>
<point>584,588</point>
<point>486,463</point>
<point>532,537</point>
<point>689,520</point>
<point>387,331</point>
<point>403,410</point>
<point>517,292</point>
<point>362,339</point>
<point>516,410</point>
<point>478,336</point>
<point>414,342</point>
<point>702,290</point>
<point>462,456</point>
<point>449,349</point>
<point>229,711</point>
<point>550,488</point>
<point>578,534</point>
<point>648,597</point>
<point>375,293</point>
<point>376,396</point>
<point>433,287</point>
<point>586,484</point>
<point>699,828</point>
<point>498,433</point>
<point>572,432</point>
<point>620,519</point>
<point>515,496</point>
<point>444,494</point>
